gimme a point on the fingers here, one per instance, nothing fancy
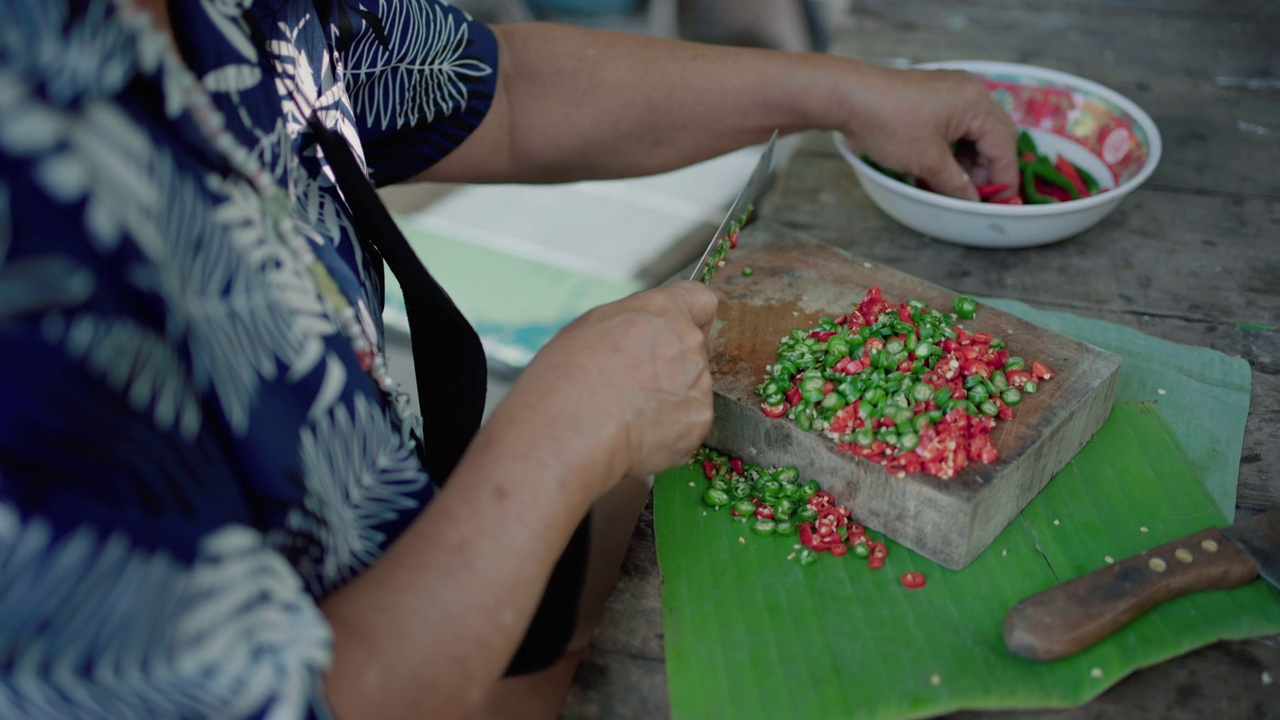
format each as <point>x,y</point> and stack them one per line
<point>996,141</point>
<point>945,176</point>
<point>916,123</point>
<point>698,299</point>
<point>991,137</point>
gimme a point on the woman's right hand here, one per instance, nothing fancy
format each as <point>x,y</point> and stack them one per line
<point>629,379</point>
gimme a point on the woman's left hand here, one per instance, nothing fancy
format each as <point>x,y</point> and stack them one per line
<point>908,120</point>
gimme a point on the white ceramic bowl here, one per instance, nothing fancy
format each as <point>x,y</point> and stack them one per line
<point>1095,127</point>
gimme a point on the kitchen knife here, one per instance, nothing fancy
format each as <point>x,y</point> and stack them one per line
<point>1070,617</point>
<point>738,216</point>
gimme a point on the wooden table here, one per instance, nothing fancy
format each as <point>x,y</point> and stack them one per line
<point>1190,257</point>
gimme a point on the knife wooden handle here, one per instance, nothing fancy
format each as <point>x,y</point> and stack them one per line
<point>1070,617</point>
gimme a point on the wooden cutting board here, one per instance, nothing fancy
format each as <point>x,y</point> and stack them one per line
<point>949,521</point>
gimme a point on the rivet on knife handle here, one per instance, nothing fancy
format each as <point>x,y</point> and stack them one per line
<point>1068,618</point>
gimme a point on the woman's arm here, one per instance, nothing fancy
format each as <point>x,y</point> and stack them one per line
<point>623,392</point>
<point>577,103</point>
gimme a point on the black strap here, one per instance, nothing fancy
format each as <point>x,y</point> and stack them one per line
<point>450,366</point>
<point>448,358</point>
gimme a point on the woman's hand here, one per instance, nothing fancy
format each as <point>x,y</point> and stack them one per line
<point>907,120</point>
<point>631,378</point>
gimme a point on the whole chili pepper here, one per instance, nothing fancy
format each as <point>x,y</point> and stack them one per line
<point>1049,174</point>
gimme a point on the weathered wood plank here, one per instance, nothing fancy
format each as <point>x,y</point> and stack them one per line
<point>1199,257</point>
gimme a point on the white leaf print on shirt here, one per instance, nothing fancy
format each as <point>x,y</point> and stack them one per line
<point>238,296</point>
<point>423,79</point>
<point>357,476</point>
<point>40,282</point>
<point>96,627</point>
<point>135,362</point>
<point>92,59</point>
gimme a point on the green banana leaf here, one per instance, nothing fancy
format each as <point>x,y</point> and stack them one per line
<point>1203,393</point>
<point>751,633</point>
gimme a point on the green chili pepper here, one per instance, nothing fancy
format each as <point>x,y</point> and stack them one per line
<point>965,306</point>
<point>715,497</point>
<point>764,526</point>
<point>1049,173</point>
<point>1026,144</point>
<point>1029,193</point>
<point>1090,182</point>
<point>864,436</point>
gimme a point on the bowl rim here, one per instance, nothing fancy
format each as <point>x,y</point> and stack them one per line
<point>979,67</point>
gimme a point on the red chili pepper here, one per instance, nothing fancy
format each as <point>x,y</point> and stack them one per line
<point>709,468</point>
<point>822,335</point>
<point>839,549</point>
<point>773,411</point>
<point>1040,371</point>
<point>913,580</point>
<point>733,239</point>
<point>990,190</point>
<point>809,540</point>
<point>975,367</point>
<point>1017,378</point>
<point>1064,166</point>
<point>736,464</point>
<point>792,395</point>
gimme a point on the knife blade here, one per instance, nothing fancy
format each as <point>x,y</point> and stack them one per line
<point>1070,617</point>
<point>738,216</point>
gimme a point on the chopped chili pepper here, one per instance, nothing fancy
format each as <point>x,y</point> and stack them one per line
<point>774,411</point>
<point>1040,371</point>
<point>913,580</point>
<point>898,384</point>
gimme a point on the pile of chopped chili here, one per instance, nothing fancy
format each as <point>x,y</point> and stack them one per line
<point>715,258</point>
<point>902,385</point>
<point>774,501</point>
<point>1043,179</point>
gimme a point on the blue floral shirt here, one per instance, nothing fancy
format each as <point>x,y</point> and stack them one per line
<point>191,456</point>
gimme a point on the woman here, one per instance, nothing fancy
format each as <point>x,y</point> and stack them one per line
<point>214,501</point>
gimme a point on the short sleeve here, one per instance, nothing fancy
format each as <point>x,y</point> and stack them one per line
<point>420,74</point>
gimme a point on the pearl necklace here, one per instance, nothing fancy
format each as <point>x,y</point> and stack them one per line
<point>176,78</point>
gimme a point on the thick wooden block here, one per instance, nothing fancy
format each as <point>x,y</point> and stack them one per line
<point>949,521</point>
